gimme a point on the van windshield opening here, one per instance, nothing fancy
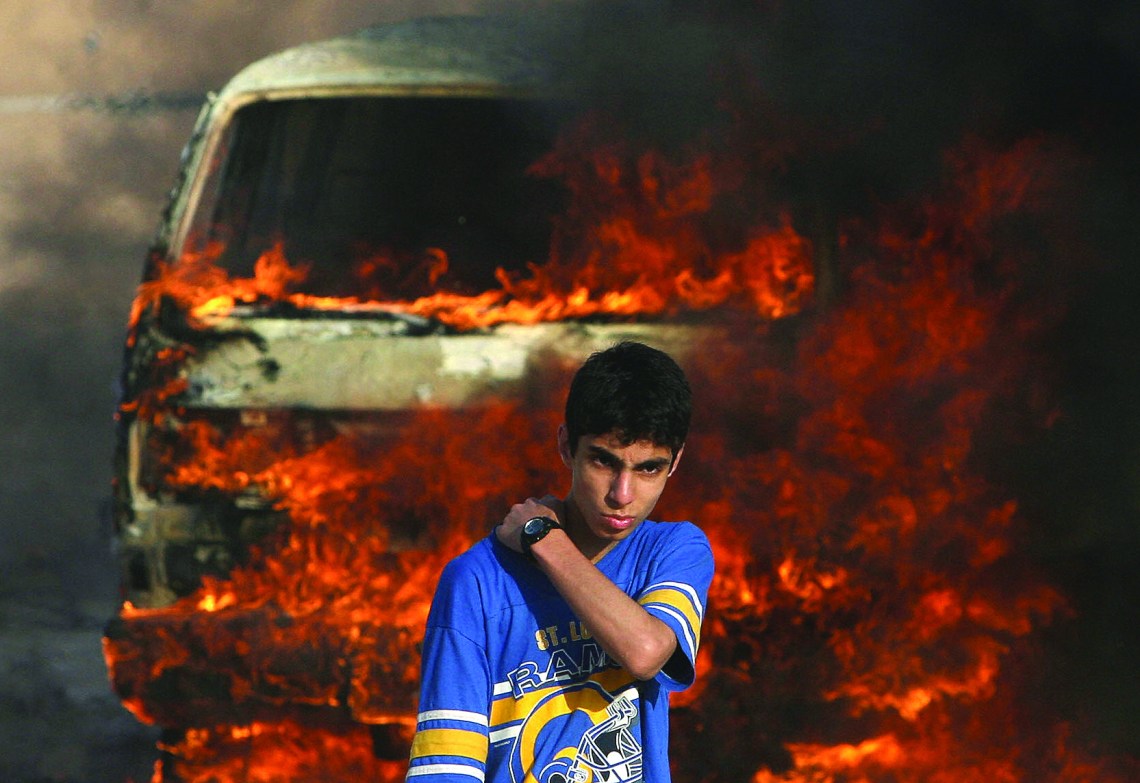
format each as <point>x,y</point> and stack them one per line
<point>382,197</point>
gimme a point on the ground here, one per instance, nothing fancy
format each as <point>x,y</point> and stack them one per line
<point>59,719</point>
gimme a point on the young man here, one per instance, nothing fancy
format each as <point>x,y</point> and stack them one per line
<point>553,644</point>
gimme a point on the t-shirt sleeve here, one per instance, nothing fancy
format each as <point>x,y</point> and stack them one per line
<point>676,594</point>
<point>450,744</point>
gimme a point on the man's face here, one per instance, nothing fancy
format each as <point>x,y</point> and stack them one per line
<point>613,487</point>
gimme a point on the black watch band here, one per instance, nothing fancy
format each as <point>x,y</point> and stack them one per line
<point>534,530</point>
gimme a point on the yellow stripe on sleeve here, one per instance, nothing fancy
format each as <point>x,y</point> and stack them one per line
<point>450,742</point>
<point>678,601</point>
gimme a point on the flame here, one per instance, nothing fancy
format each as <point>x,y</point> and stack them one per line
<point>771,274</point>
<point>264,752</point>
<point>630,244</point>
<point>870,615</point>
<point>867,571</point>
<point>844,759</point>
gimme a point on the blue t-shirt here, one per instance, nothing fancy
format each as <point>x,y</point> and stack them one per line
<point>513,683</point>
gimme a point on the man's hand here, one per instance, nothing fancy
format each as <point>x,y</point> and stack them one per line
<point>510,529</point>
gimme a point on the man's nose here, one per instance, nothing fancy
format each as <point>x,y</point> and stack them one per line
<point>621,489</point>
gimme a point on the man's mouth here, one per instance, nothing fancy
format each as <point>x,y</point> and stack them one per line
<point>617,523</point>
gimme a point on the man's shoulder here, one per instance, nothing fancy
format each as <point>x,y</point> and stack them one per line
<point>478,560</point>
<point>486,579</point>
<point>466,582</point>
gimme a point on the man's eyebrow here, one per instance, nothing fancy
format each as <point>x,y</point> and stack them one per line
<point>652,464</point>
<point>604,455</point>
<point>609,458</point>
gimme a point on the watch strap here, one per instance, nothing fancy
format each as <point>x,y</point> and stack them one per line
<point>534,530</point>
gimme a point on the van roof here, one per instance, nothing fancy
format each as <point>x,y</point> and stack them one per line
<point>506,52</point>
<point>573,48</point>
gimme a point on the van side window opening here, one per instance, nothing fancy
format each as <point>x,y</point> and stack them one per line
<point>382,197</point>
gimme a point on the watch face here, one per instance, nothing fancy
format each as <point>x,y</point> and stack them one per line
<point>534,525</point>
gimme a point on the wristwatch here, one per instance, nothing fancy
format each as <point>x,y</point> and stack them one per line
<point>534,530</point>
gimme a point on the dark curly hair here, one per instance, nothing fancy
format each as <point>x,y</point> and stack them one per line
<point>634,391</point>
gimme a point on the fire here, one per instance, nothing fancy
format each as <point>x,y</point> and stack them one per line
<point>772,271</point>
<point>870,612</point>
<point>205,290</point>
<point>878,585</point>
<point>328,613</point>
<point>635,241</point>
<point>263,753</point>
<point>835,760</point>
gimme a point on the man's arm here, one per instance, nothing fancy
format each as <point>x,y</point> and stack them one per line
<point>451,741</point>
<point>630,635</point>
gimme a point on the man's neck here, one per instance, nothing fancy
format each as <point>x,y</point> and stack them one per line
<point>594,549</point>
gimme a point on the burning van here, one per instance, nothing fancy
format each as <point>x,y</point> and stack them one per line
<point>381,259</point>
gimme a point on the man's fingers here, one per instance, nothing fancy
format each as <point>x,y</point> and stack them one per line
<point>555,505</point>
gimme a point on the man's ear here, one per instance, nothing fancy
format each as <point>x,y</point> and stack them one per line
<point>564,446</point>
<point>677,459</point>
